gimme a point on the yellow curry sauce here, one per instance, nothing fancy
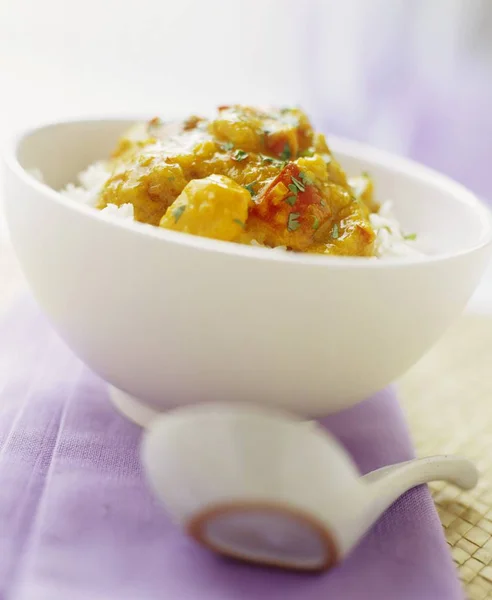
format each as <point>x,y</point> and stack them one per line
<point>248,174</point>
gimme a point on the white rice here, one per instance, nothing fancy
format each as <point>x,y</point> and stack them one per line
<point>90,184</point>
<point>390,240</point>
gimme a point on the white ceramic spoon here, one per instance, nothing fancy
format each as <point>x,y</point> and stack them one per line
<point>264,486</point>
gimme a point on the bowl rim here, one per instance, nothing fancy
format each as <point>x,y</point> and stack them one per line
<point>356,149</point>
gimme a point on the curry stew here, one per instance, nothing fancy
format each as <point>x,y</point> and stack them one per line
<point>247,176</point>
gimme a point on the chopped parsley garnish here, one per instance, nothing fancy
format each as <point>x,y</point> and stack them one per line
<point>315,222</point>
<point>411,237</point>
<point>285,155</point>
<point>240,155</point>
<point>177,212</point>
<point>293,188</point>
<point>366,174</point>
<point>275,161</point>
<point>306,179</point>
<point>228,146</point>
<point>293,222</point>
<point>334,231</point>
<point>291,200</point>
<point>249,187</point>
<point>239,222</point>
<point>298,184</point>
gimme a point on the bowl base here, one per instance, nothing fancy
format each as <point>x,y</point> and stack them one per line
<point>131,408</point>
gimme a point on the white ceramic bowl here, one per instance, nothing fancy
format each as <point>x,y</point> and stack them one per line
<point>171,319</point>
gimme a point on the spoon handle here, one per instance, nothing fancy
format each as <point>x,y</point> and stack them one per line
<point>383,486</point>
<point>454,469</point>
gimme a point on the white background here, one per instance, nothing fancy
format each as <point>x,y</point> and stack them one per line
<point>65,57</point>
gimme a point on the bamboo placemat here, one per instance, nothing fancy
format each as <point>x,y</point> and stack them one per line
<point>448,399</point>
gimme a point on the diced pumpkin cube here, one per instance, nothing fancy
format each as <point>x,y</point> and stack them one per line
<point>214,207</point>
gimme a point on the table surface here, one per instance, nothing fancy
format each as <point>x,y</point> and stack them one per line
<point>446,399</point>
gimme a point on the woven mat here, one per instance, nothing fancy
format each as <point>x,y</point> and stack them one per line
<point>448,399</point>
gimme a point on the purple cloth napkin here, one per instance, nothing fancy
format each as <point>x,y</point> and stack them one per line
<point>77,520</point>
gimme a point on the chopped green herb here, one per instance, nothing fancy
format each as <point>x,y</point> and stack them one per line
<point>293,222</point>
<point>240,155</point>
<point>249,187</point>
<point>267,159</point>
<point>323,203</point>
<point>291,200</point>
<point>306,179</point>
<point>315,222</point>
<point>177,212</point>
<point>366,174</point>
<point>298,184</point>
<point>228,146</point>
<point>285,155</point>
<point>411,237</point>
<point>293,188</point>
<point>239,222</point>
<point>307,153</point>
<point>334,231</point>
